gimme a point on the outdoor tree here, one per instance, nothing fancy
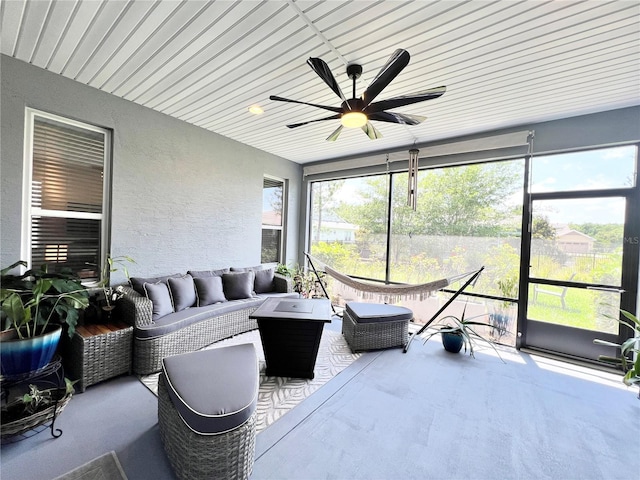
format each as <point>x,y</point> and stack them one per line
<point>323,203</point>
<point>462,201</point>
<point>542,228</point>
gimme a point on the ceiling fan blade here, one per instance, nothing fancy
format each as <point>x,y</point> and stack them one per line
<point>326,107</point>
<point>372,131</point>
<point>322,69</point>
<point>403,100</point>
<point>332,117</point>
<point>334,136</point>
<point>401,118</point>
<point>398,60</point>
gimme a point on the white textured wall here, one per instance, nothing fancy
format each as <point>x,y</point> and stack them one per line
<point>183,197</point>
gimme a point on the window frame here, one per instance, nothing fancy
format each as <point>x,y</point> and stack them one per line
<point>283,227</point>
<point>31,114</point>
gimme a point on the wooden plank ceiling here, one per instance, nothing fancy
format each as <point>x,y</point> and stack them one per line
<point>504,63</point>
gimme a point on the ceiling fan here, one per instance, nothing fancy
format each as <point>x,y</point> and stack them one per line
<point>357,112</point>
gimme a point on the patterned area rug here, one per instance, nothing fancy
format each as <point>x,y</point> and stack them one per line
<point>278,395</point>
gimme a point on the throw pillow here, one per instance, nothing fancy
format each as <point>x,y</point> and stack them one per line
<point>183,292</point>
<point>158,293</point>
<point>207,273</point>
<point>209,290</point>
<point>137,283</point>
<point>253,269</point>
<point>264,281</point>
<point>238,285</point>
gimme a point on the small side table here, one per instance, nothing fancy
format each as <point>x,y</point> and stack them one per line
<point>98,352</point>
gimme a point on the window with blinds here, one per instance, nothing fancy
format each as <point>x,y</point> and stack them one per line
<point>273,202</point>
<point>66,191</point>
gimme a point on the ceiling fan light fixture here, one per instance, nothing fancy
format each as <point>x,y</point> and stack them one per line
<point>256,109</point>
<point>353,119</point>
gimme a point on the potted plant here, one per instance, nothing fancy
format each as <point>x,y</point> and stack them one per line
<point>459,332</point>
<point>34,306</point>
<point>309,284</point>
<point>113,294</point>
<point>629,348</point>
<point>32,409</point>
<point>283,270</point>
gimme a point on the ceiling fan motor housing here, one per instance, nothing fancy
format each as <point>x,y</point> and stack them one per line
<point>353,105</point>
<point>354,71</point>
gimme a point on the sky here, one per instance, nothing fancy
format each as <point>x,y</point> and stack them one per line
<point>592,170</point>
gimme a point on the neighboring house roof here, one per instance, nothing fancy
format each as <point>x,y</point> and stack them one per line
<point>570,231</point>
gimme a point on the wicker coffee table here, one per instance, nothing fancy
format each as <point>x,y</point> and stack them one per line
<point>98,352</point>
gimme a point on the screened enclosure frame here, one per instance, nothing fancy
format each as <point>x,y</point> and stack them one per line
<point>395,164</point>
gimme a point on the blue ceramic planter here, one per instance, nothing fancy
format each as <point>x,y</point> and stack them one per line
<point>19,356</point>
<point>452,342</point>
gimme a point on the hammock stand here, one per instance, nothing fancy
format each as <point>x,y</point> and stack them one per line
<point>394,292</point>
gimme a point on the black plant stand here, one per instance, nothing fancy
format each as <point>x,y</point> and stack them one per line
<point>50,376</point>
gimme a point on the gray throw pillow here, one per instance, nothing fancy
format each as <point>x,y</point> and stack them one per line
<point>183,292</point>
<point>209,290</point>
<point>238,285</point>
<point>208,273</point>
<point>137,283</point>
<point>248,269</point>
<point>158,293</point>
<point>264,280</point>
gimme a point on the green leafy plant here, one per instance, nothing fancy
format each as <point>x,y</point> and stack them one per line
<point>465,328</point>
<point>37,399</point>
<point>508,287</point>
<point>113,264</point>
<point>630,347</point>
<point>307,283</point>
<point>283,270</point>
<point>37,298</point>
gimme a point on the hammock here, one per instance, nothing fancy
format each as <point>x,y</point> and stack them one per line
<point>394,292</point>
<point>391,293</point>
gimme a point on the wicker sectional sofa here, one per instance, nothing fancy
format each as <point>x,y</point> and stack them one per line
<point>182,313</point>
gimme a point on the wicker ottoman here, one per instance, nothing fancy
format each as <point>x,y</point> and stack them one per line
<point>372,326</point>
<point>207,412</point>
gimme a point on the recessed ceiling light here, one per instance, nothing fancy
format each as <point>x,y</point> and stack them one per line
<point>256,109</point>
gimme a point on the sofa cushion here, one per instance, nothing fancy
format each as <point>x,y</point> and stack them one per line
<point>238,285</point>
<point>160,298</point>
<point>183,319</point>
<point>208,273</point>
<point>375,312</point>
<point>137,283</point>
<point>209,290</point>
<point>262,266</point>
<point>183,292</point>
<point>264,281</point>
<point>247,269</point>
